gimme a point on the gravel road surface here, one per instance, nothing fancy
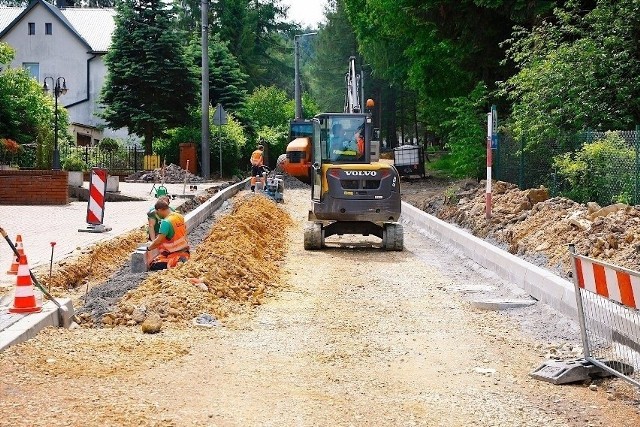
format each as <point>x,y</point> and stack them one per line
<point>357,337</point>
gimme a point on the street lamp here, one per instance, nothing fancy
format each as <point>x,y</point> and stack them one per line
<point>59,88</point>
<point>298,95</point>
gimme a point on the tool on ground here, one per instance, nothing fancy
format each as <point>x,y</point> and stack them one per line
<point>15,262</point>
<point>35,281</point>
<point>161,190</point>
<point>351,192</point>
<point>53,245</point>
<point>24,299</point>
<point>274,184</point>
<point>186,175</point>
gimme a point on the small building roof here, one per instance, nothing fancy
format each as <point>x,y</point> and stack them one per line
<point>7,15</point>
<point>93,26</point>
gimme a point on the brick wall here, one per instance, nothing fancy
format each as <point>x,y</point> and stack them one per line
<point>45,187</point>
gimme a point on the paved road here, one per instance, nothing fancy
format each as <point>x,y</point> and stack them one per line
<point>40,225</point>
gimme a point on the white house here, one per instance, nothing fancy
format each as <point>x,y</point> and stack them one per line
<point>69,43</point>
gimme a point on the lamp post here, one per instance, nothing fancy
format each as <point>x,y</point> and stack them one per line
<point>59,88</point>
<point>298,95</point>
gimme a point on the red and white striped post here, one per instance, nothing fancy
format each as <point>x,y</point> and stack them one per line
<point>97,197</point>
<point>489,162</point>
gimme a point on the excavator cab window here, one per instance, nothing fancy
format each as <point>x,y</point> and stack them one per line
<point>344,139</point>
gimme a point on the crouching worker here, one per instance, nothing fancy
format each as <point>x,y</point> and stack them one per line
<point>171,240</point>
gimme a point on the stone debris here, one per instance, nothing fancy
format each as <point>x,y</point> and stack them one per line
<point>531,224</point>
<point>173,174</point>
<point>206,320</point>
<point>152,324</point>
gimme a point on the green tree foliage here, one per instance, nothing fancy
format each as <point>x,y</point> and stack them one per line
<point>602,171</point>
<point>27,113</point>
<point>575,71</point>
<point>149,87</point>
<point>227,83</point>
<point>256,32</point>
<point>465,130</point>
<point>269,110</point>
<point>336,42</point>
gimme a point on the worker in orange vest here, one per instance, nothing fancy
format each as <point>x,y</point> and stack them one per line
<point>257,162</point>
<point>171,240</point>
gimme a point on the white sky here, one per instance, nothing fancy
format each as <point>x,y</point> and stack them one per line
<point>306,12</point>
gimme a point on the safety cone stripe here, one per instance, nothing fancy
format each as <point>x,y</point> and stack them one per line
<point>23,291</point>
<point>23,270</point>
<point>606,281</point>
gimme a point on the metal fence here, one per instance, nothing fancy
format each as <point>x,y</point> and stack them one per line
<point>118,162</point>
<point>608,298</point>
<point>605,174</point>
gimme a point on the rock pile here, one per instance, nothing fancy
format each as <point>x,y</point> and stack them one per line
<point>173,174</point>
<point>531,224</point>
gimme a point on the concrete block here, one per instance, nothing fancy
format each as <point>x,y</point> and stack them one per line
<point>29,326</point>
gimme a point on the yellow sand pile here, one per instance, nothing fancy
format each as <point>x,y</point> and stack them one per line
<point>237,262</point>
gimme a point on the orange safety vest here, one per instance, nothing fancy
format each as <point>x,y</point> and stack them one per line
<point>256,158</point>
<point>179,240</point>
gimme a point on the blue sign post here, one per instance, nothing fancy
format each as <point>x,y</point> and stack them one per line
<point>494,127</point>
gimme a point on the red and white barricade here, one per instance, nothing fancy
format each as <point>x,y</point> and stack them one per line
<point>96,203</point>
<point>608,300</point>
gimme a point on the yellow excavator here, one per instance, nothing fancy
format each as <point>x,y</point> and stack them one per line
<point>350,194</point>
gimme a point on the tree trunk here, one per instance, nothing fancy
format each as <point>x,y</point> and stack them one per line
<point>148,139</point>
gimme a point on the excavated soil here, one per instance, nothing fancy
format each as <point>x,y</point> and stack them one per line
<point>236,263</point>
<point>104,298</point>
<point>538,228</point>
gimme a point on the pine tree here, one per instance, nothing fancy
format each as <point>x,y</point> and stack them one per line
<point>149,85</point>
<point>227,82</point>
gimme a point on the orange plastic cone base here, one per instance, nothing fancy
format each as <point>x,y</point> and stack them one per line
<point>32,309</point>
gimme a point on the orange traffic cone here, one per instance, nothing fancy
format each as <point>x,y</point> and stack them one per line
<point>24,300</point>
<point>20,248</point>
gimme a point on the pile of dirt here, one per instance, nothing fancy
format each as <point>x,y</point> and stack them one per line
<point>236,263</point>
<point>94,264</point>
<point>530,224</point>
<point>173,174</point>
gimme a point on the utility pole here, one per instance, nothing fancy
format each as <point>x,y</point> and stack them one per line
<point>206,167</point>
<point>296,83</point>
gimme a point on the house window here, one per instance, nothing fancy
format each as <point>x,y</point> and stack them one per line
<point>32,28</point>
<point>48,28</point>
<point>33,68</point>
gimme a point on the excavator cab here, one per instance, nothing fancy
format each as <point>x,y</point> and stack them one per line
<point>351,194</point>
<point>298,156</point>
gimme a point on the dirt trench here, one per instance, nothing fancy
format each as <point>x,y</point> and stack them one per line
<point>358,337</point>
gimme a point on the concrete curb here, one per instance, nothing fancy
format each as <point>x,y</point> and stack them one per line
<point>29,326</point>
<point>541,284</point>
<point>140,260</point>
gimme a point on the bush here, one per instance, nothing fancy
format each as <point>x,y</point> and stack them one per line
<point>466,134</point>
<point>602,171</point>
<point>74,163</point>
<point>109,144</point>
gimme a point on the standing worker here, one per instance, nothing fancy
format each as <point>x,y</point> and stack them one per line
<point>154,219</point>
<point>171,240</point>
<point>257,162</point>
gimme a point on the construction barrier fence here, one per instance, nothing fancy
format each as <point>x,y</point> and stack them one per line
<point>608,301</point>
